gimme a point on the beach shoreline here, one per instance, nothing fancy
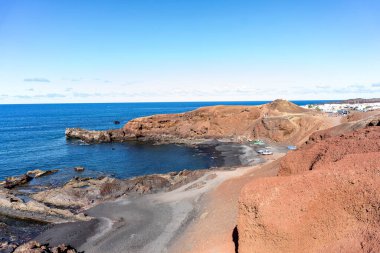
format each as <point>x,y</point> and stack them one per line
<point>150,223</point>
<point>155,212</point>
<point>231,156</point>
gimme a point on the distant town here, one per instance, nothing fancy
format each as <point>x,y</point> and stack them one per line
<point>346,106</point>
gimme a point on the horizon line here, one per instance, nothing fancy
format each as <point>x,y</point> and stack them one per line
<point>197,101</point>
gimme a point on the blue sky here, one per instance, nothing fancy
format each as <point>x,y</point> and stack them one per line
<point>151,50</point>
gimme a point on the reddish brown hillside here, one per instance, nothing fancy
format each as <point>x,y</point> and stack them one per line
<point>324,154</point>
<point>329,202</point>
<point>355,116</point>
<point>322,211</point>
<point>280,121</point>
<point>284,106</point>
<point>345,128</point>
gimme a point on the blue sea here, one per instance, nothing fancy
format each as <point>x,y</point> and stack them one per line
<point>33,137</point>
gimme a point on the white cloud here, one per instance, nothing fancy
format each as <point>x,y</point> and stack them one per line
<point>37,79</point>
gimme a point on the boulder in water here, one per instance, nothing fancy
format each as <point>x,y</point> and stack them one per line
<point>79,169</point>
<point>39,173</point>
<point>12,182</point>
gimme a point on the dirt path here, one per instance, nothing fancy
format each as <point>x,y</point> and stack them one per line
<point>212,229</point>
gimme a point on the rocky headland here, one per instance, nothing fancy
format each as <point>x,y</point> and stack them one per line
<point>279,121</point>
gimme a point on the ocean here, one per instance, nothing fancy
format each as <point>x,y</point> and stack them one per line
<point>33,137</point>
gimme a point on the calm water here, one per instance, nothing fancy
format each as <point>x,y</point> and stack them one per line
<point>32,137</point>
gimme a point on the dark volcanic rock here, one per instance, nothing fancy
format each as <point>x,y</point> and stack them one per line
<point>12,182</point>
<point>36,247</point>
<point>13,206</point>
<point>63,204</point>
<point>96,136</point>
<point>79,169</point>
<point>146,184</point>
<point>6,247</point>
<point>86,192</point>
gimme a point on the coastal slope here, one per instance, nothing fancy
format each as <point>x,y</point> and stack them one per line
<point>326,199</point>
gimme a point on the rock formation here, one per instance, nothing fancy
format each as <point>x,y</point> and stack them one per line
<point>12,182</point>
<point>357,115</point>
<point>63,204</point>
<point>332,151</point>
<point>13,206</point>
<point>278,121</point>
<point>40,173</point>
<point>79,169</point>
<point>82,193</point>
<point>328,202</point>
<point>36,247</point>
<point>373,120</point>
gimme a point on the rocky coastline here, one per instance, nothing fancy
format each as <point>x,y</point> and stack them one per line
<point>162,202</point>
<point>278,121</point>
<point>55,204</point>
<point>66,203</point>
<point>69,203</point>
<point>49,205</point>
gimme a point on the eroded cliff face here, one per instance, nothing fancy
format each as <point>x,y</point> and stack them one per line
<point>329,200</point>
<point>372,119</point>
<point>277,121</point>
<point>293,128</point>
<point>330,152</point>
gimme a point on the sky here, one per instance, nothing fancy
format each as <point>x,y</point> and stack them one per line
<point>179,50</point>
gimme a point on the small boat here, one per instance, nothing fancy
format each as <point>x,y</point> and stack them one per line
<point>258,142</point>
<point>260,151</point>
<point>267,152</point>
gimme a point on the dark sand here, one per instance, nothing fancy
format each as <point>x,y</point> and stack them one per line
<point>148,223</point>
<point>74,232</point>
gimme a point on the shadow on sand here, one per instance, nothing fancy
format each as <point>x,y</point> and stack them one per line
<point>235,239</point>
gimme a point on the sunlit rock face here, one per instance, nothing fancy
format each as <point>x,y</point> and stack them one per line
<point>326,201</point>
<point>278,121</point>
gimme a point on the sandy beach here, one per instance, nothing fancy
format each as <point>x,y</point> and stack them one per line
<point>164,222</point>
<point>212,230</point>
